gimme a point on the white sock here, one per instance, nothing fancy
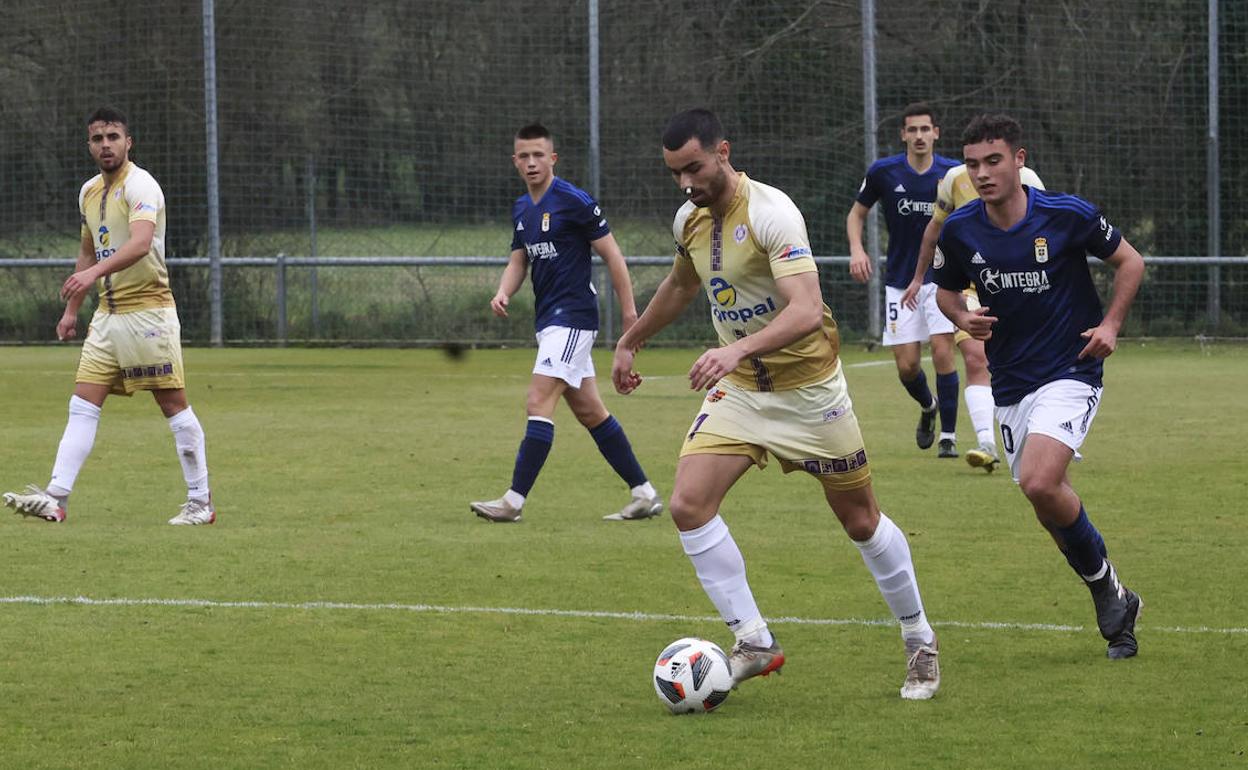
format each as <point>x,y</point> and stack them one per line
<point>947,435</point>
<point>188,438</point>
<point>514,499</point>
<point>645,490</point>
<point>979,405</point>
<point>887,555</point>
<point>721,569</point>
<point>76,443</point>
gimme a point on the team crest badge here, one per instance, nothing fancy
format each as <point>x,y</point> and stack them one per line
<point>546,222</point>
<point>739,234</point>
<point>1042,250</point>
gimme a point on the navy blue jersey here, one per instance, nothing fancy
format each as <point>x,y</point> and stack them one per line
<point>555,233</point>
<point>1035,279</point>
<point>908,201</point>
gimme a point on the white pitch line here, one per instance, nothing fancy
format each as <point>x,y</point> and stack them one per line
<point>545,612</point>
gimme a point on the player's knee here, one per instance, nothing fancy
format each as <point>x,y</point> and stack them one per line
<point>689,510</point>
<point>907,371</point>
<point>1039,488</point>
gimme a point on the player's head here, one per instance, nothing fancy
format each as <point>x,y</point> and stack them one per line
<point>696,152</point>
<point>919,129</point>
<point>108,138</point>
<point>534,155</point>
<point>992,146</point>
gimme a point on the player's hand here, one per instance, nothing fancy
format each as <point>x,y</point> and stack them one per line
<point>77,284</point>
<point>499,304</point>
<point>1102,342</point>
<point>910,298</point>
<point>978,323</point>
<point>712,365</point>
<point>622,375</point>
<point>860,267</point>
<point>67,327</point>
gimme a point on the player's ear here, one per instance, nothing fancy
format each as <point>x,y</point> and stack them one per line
<point>554,157</point>
<point>935,133</point>
<point>723,150</point>
<point>1020,158</point>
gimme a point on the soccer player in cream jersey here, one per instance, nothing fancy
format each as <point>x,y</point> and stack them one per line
<point>774,386</point>
<point>955,191</point>
<point>1046,339</point>
<point>134,340</point>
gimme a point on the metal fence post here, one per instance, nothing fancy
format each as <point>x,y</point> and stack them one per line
<point>871,150</point>
<point>213,182</point>
<point>1213,177</point>
<point>281,298</point>
<point>313,288</point>
<point>595,162</point>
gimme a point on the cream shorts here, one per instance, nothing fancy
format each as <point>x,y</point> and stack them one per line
<point>812,428</point>
<point>133,351</point>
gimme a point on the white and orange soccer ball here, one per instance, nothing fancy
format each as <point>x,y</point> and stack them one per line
<point>692,676</point>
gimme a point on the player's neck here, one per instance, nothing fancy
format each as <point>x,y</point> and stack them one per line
<point>1010,211</point>
<point>537,191</point>
<point>719,207</point>
<point>920,163</point>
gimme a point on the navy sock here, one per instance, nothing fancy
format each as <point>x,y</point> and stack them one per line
<point>1082,545</point>
<point>613,444</point>
<point>947,395</point>
<point>538,437</point>
<point>918,390</point>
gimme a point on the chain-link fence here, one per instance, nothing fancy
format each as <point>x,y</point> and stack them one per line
<point>384,130</point>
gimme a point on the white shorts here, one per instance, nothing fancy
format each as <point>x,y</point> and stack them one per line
<point>1062,410</point>
<point>902,325</point>
<point>563,353</point>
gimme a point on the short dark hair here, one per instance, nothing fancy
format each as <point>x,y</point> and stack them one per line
<point>699,123</point>
<point>535,131</point>
<point>919,108</point>
<point>988,126</point>
<point>107,114</point>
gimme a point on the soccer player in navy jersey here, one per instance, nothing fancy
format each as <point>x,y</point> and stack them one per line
<point>1045,337</point>
<point>555,225</point>
<point>906,183</point>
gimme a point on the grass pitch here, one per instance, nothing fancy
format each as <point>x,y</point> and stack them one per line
<point>357,615</point>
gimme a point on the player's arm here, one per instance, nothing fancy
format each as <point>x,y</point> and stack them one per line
<point>135,248</point>
<point>609,250</point>
<point>927,252</point>
<point>976,323</point>
<point>510,283</point>
<point>855,225</point>
<point>802,314</point>
<point>670,300</point>
<point>1128,272</point>
<point>67,327</point>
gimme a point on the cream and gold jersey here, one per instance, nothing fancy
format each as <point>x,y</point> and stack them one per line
<point>956,190</point>
<point>762,237</point>
<point>106,212</point>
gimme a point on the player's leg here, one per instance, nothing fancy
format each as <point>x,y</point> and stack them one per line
<point>188,440</point>
<point>702,481</point>
<point>905,331</point>
<point>886,553</point>
<point>940,330</point>
<point>539,435</point>
<point>586,404</point>
<point>1050,429</point>
<point>99,373</point>
<point>979,403</point>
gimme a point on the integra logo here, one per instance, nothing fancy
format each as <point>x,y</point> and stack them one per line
<point>541,250</point>
<point>1026,281</point>
<point>906,207</point>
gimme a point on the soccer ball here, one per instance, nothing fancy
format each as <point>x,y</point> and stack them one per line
<point>692,675</point>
